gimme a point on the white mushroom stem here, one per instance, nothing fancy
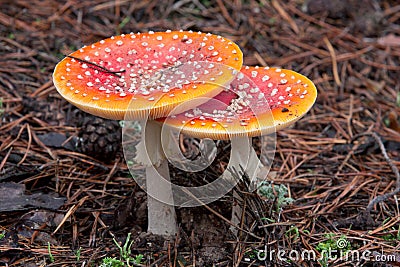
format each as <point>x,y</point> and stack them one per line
<point>243,156</point>
<point>161,213</point>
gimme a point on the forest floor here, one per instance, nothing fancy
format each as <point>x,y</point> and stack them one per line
<point>64,202</point>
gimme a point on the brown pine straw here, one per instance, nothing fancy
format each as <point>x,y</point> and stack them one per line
<point>384,197</point>
<point>339,163</point>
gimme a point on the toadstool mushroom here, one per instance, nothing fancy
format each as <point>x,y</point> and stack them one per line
<point>259,101</point>
<point>145,76</point>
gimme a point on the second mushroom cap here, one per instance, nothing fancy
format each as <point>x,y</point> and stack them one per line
<point>257,102</point>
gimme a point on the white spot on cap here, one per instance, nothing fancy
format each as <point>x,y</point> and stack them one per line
<point>254,90</point>
<point>175,36</point>
<point>119,43</point>
<point>254,74</point>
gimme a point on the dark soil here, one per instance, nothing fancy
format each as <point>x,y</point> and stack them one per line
<point>66,189</point>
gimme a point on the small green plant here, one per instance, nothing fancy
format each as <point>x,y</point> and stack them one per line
<point>251,254</point>
<point>50,254</point>
<point>332,247</point>
<point>2,235</point>
<point>123,23</point>
<point>293,232</point>
<point>393,236</point>
<point>272,192</point>
<point>1,107</point>
<point>124,254</point>
<point>111,262</point>
<point>78,254</point>
<point>268,220</point>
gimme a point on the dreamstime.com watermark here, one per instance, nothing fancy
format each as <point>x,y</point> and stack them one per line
<point>340,253</point>
<point>148,154</point>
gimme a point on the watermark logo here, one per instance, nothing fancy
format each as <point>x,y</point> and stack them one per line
<point>342,243</point>
<point>340,250</point>
<point>139,138</point>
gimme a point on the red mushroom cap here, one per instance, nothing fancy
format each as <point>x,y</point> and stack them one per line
<point>155,71</point>
<point>258,102</point>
